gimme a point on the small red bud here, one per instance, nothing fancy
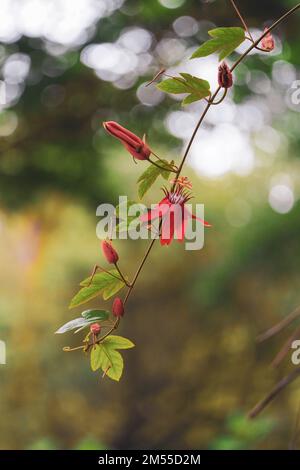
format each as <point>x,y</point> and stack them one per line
<point>118,307</point>
<point>224,76</point>
<point>109,252</point>
<point>95,328</point>
<point>268,43</point>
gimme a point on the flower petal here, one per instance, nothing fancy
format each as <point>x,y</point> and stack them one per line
<point>203,222</point>
<point>167,229</point>
<point>181,223</point>
<point>160,210</point>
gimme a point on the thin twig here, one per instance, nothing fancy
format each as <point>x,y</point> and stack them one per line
<point>162,168</point>
<point>214,103</point>
<point>122,275</point>
<point>267,31</point>
<point>295,434</point>
<point>242,19</point>
<point>286,348</point>
<point>279,326</point>
<point>156,76</point>
<point>95,269</point>
<point>273,394</point>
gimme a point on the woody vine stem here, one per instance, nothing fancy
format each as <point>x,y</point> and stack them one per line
<point>209,104</point>
<point>224,40</point>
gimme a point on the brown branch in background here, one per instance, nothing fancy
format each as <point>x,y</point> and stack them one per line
<point>273,394</point>
<point>286,348</point>
<point>279,326</point>
<point>295,434</point>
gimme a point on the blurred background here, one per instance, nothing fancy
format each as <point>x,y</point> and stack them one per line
<point>196,369</point>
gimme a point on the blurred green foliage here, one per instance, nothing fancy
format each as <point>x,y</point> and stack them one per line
<point>242,433</point>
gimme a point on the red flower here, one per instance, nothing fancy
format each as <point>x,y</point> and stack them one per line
<point>173,213</point>
<point>136,146</point>
<point>109,252</point>
<point>224,76</point>
<point>268,43</point>
<point>118,307</point>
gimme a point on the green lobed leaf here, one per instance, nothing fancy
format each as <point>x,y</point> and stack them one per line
<point>104,356</point>
<point>96,357</point>
<point>119,342</point>
<point>112,363</point>
<point>166,174</point>
<point>190,99</point>
<point>102,284</point>
<point>148,178</point>
<point>196,87</point>
<point>176,86</point>
<point>225,41</point>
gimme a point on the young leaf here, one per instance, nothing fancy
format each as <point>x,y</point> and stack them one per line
<point>225,41</point>
<point>113,363</point>
<point>104,356</point>
<point>121,208</point>
<point>118,342</point>
<point>112,288</point>
<point>102,283</point>
<point>96,357</point>
<point>190,99</point>
<point>73,325</point>
<point>175,85</point>
<point>194,86</point>
<point>148,178</point>
<point>123,225</point>
<point>166,173</point>
<point>102,279</point>
<point>127,225</point>
<point>95,315</point>
<point>85,294</point>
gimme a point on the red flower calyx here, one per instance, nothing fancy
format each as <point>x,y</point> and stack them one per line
<point>136,147</point>
<point>109,252</point>
<point>224,76</point>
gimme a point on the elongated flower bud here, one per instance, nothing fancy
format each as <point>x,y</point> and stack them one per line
<point>109,252</point>
<point>224,76</point>
<point>136,146</point>
<point>118,307</point>
<point>95,328</point>
<point>268,43</point>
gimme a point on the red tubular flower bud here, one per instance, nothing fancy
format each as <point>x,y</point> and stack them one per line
<point>118,307</point>
<point>268,43</point>
<point>136,146</point>
<point>224,76</point>
<point>95,328</point>
<point>109,252</point>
